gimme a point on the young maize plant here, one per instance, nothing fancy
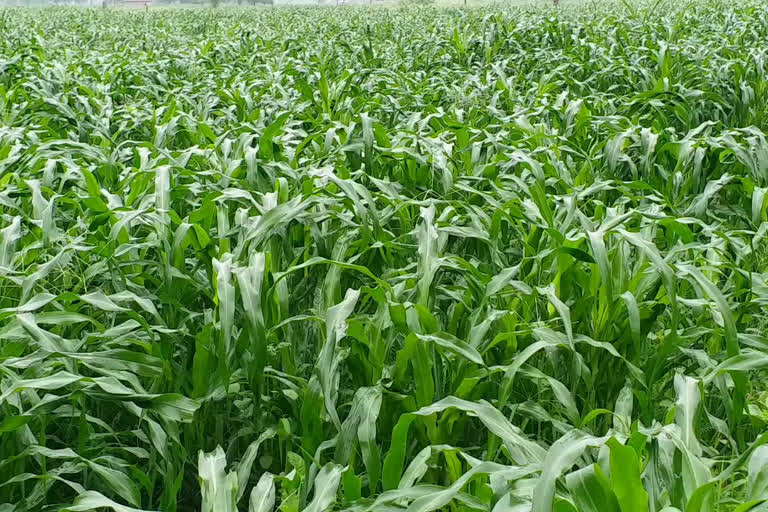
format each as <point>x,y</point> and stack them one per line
<point>396,259</point>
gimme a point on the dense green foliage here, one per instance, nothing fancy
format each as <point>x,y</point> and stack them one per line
<point>384,260</point>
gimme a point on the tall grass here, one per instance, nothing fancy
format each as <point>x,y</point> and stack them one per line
<point>384,259</point>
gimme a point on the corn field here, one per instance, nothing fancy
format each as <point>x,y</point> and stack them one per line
<point>385,260</point>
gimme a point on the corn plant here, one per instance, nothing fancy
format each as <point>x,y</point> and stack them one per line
<point>385,259</point>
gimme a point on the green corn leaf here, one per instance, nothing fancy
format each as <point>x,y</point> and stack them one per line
<point>561,455</point>
<point>219,489</point>
<point>92,500</point>
<point>326,483</point>
<point>263,495</point>
<point>625,478</point>
<point>591,490</point>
